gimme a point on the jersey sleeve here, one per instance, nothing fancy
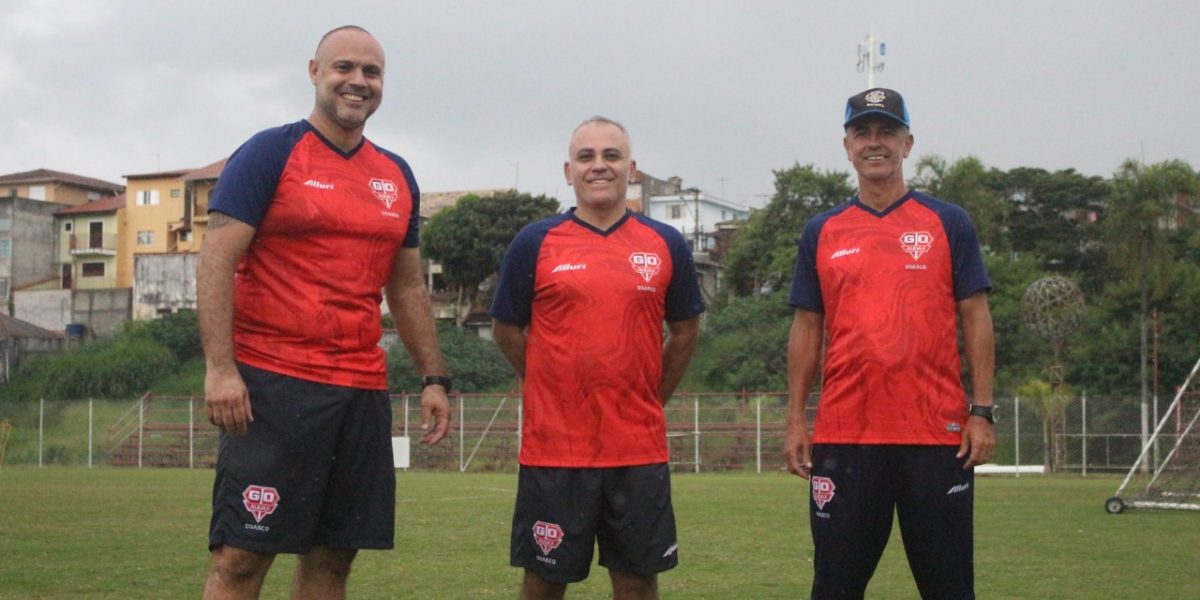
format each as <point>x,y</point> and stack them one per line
<point>248,181</point>
<point>513,300</point>
<point>412,238</point>
<point>970,276</point>
<point>806,285</point>
<point>684,300</point>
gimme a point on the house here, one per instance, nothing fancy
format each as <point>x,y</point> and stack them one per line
<point>28,201</point>
<point>643,186</point>
<point>84,294</point>
<point>45,185</point>
<point>696,215</point>
<point>166,219</point>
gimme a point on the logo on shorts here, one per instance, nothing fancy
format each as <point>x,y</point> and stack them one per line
<point>547,535</point>
<point>822,490</point>
<point>385,190</point>
<point>916,243</point>
<point>645,264</point>
<point>260,500</point>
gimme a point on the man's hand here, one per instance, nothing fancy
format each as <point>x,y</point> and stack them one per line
<point>797,450</point>
<point>978,442</point>
<point>435,414</point>
<point>226,400</point>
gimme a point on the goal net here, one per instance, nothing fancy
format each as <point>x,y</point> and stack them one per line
<point>1167,472</point>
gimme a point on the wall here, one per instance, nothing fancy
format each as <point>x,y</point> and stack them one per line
<point>104,312</point>
<point>163,282</point>
<point>48,309</point>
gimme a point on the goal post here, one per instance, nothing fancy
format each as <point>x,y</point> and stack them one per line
<point>1173,483</point>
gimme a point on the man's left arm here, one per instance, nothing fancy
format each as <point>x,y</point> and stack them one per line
<point>979,435</point>
<point>677,353</point>
<point>409,304</point>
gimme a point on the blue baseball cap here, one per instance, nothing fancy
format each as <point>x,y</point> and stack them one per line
<point>876,101</point>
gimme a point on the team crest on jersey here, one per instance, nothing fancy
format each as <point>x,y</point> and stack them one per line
<point>646,264</point>
<point>385,190</point>
<point>260,500</point>
<point>822,491</point>
<point>916,243</point>
<point>547,535</point>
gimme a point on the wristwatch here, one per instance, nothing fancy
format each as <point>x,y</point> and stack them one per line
<point>987,411</point>
<point>441,380</point>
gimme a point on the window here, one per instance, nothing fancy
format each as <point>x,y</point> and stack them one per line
<point>5,248</point>
<point>93,269</point>
<point>145,238</point>
<point>93,196</point>
<point>147,197</point>
<point>37,192</point>
<point>3,288</point>
<point>185,236</point>
<point>722,215</point>
<point>676,211</point>
<point>67,226</point>
<point>5,224</point>
<point>175,193</point>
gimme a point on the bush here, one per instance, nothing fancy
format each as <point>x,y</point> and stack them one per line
<point>178,332</point>
<point>475,363</point>
<point>115,369</point>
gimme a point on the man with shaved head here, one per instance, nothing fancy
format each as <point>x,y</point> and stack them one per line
<point>308,223</point>
<point>579,312</point>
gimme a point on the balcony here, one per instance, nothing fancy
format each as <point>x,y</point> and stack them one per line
<point>93,244</point>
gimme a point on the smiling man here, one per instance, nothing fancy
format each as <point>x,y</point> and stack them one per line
<point>881,282</point>
<point>309,221</point>
<point>579,313</point>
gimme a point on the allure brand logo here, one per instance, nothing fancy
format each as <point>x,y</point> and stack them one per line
<point>320,185</point>
<point>843,252</point>
<point>569,267</point>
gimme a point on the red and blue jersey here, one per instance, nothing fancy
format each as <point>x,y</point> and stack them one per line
<point>594,303</point>
<point>328,227</point>
<point>889,284</point>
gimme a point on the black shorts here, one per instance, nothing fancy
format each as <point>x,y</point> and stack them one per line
<point>314,468</point>
<point>561,513</point>
<point>855,491</point>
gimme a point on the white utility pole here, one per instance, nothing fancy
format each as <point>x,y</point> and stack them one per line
<point>870,57</point>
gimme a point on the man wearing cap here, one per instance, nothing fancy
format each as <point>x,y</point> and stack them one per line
<point>883,280</point>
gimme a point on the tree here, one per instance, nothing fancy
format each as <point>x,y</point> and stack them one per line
<point>1142,212</point>
<point>470,237</point>
<point>476,363</point>
<point>744,346</point>
<point>966,183</point>
<point>1053,217</point>
<point>763,253</point>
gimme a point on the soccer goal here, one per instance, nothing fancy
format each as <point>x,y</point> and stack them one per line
<point>1167,472</point>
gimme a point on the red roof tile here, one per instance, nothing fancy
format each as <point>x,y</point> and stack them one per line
<point>49,176</point>
<point>109,204</point>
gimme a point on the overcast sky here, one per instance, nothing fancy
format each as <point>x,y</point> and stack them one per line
<point>485,94</point>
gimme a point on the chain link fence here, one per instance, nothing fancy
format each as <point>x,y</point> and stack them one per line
<point>706,432</point>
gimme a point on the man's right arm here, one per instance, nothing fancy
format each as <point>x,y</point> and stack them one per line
<point>804,356</point>
<point>225,397</point>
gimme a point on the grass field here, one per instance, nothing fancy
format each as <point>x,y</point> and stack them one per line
<point>106,533</point>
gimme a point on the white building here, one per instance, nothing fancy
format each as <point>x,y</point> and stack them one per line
<point>695,214</point>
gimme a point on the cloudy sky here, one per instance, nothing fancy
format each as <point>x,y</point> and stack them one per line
<point>484,94</point>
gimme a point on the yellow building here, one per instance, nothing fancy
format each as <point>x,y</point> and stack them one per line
<point>89,243</point>
<point>165,213</point>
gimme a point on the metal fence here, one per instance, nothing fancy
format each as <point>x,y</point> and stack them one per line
<point>706,432</point>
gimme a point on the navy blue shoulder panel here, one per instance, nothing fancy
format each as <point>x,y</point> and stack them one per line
<point>806,286</point>
<point>247,183</point>
<point>684,299</point>
<point>512,302</point>
<point>970,276</point>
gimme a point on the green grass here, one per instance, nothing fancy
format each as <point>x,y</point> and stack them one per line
<point>107,533</point>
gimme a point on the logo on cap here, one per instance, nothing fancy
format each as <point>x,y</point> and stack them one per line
<point>875,97</point>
